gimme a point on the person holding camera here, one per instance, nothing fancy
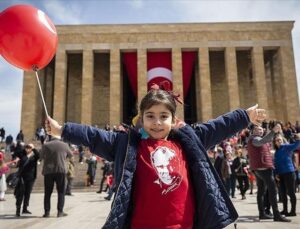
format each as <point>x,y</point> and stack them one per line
<point>28,171</point>
<point>285,170</point>
<point>261,162</point>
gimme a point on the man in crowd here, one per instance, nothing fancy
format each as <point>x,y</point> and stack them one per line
<point>54,154</point>
<point>261,162</point>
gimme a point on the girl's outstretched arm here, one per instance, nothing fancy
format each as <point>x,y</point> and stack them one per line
<point>99,141</point>
<point>225,126</point>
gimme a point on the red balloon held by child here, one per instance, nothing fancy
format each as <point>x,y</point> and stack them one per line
<point>28,38</point>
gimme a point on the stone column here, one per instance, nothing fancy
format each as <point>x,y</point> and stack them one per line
<point>87,86</point>
<point>142,75</point>
<point>259,77</point>
<point>30,98</point>
<point>59,107</point>
<point>290,98</point>
<point>204,101</point>
<point>232,78</point>
<point>177,79</point>
<point>115,109</point>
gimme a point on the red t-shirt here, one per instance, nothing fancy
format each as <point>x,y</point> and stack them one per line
<point>163,195</point>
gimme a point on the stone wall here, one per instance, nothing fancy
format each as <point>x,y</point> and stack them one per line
<point>239,64</point>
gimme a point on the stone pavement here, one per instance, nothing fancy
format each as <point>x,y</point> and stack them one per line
<point>89,210</point>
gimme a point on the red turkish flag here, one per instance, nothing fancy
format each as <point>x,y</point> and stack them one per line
<point>188,65</point>
<point>159,68</point>
<point>130,62</point>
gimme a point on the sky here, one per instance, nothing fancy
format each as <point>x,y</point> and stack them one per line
<point>67,12</point>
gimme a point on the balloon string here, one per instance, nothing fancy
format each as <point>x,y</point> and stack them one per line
<point>38,81</point>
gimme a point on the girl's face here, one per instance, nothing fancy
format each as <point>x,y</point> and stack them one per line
<point>278,141</point>
<point>157,121</point>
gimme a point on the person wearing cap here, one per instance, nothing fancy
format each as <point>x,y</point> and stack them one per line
<point>28,172</point>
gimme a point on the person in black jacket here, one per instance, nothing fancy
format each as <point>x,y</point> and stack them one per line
<point>241,170</point>
<point>20,136</point>
<point>107,167</point>
<point>27,170</point>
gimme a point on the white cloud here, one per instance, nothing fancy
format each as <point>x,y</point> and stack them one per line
<point>136,4</point>
<point>220,11</point>
<point>64,12</point>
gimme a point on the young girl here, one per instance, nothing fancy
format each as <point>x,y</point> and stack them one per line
<point>166,180</point>
<point>3,170</point>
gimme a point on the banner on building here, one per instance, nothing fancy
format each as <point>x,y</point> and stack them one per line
<point>159,69</point>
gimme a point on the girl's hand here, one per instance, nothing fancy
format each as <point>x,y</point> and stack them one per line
<point>53,128</point>
<point>256,115</point>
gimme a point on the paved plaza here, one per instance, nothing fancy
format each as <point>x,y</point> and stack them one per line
<point>89,210</point>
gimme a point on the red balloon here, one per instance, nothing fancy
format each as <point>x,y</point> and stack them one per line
<point>28,38</point>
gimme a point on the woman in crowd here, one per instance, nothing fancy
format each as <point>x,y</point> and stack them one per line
<point>285,170</point>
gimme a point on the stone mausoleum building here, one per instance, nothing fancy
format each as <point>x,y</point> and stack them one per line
<point>100,72</point>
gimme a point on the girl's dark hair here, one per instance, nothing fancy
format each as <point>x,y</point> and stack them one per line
<point>156,97</point>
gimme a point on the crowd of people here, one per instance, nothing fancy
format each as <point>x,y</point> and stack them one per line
<point>58,168</point>
<point>270,156</point>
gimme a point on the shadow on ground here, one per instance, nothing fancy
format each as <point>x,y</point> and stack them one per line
<point>12,217</point>
<point>250,219</point>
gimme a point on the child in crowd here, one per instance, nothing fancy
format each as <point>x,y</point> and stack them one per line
<point>3,170</point>
<point>167,179</point>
